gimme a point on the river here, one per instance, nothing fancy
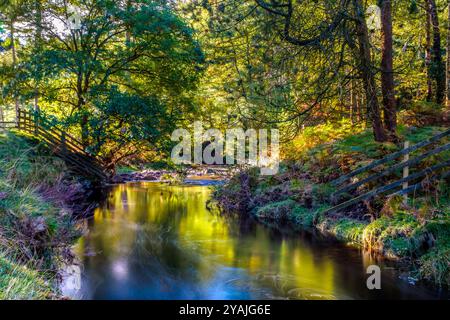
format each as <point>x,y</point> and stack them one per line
<point>155,241</point>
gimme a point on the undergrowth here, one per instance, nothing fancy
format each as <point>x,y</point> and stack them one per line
<point>417,231</point>
<point>35,227</point>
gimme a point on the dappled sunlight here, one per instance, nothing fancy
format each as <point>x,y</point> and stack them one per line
<point>226,149</point>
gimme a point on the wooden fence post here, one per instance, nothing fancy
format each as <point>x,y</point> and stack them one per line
<point>63,141</point>
<point>2,119</point>
<point>36,122</point>
<point>18,119</point>
<point>405,172</point>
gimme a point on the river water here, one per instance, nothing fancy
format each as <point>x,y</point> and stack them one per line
<point>155,241</point>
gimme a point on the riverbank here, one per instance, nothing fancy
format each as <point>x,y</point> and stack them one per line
<point>417,233</point>
<point>152,240</point>
<point>38,200</point>
<point>188,175</point>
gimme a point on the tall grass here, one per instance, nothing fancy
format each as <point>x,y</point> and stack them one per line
<point>19,282</point>
<point>35,229</point>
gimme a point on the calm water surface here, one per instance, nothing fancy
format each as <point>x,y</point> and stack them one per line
<point>154,241</point>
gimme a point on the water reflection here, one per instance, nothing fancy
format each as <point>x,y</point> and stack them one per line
<point>153,241</point>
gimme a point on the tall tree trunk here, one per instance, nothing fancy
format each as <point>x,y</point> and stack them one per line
<point>2,117</point>
<point>428,55</point>
<point>14,64</point>
<point>437,66</point>
<point>84,122</point>
<point>353,102</point>
<point>38,47</point>
<point>84,130</point>
<point>447,71</point>
<point>387,68</point>
<point>373,107</point>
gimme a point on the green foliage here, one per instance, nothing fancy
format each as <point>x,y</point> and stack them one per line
<point>397,236</point>
<point>120,82</point>
<point>278,211</point>
<point>312,139</point>
<point>435,264</point>
<point>322,192</point>
<point>303,216</point>
<point>130,113</point>
<point>348,230</point>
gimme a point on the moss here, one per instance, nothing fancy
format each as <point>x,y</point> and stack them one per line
<point>419,134</point>
<point>363,143</point>
<point>279,211</point>
<point>303,216</point>
<point>346,230</point>
<point>398,236</point>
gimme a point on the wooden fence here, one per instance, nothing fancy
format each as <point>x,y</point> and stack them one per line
<point>403,183</point>
<point>61,143</point>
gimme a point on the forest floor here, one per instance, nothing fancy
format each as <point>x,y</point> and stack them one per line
<point>417,232</point>
<point>37,202</point>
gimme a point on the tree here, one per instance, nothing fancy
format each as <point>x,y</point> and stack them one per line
<point>387,71</point>
<point>139,52</point>
<point>366,69</point>
<point>128,125</point>
<point>335,25</point>
<point>428,58</point>
<point>11,12</point>
<point>38,48</point>
<point>447,73</point>
<point>437,66</point>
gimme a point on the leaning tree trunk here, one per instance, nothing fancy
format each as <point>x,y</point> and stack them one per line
<point>437,66</point>
<point>365,65</point>
<point>387,68</point>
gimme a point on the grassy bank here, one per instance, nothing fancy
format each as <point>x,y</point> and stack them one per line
<point>19,282</point>
<point>417,232</point>
<point>36,226</point>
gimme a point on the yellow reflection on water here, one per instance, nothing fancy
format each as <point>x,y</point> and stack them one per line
<point>151,215</point>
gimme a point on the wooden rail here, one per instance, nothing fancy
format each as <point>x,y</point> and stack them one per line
<point>61,143</point>
<point>389,189</point>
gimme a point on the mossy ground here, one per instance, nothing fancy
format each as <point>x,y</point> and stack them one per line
<point>35,228</point>
<point>300,192</point>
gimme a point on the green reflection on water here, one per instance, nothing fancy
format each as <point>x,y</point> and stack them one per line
<point>171,226</point>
